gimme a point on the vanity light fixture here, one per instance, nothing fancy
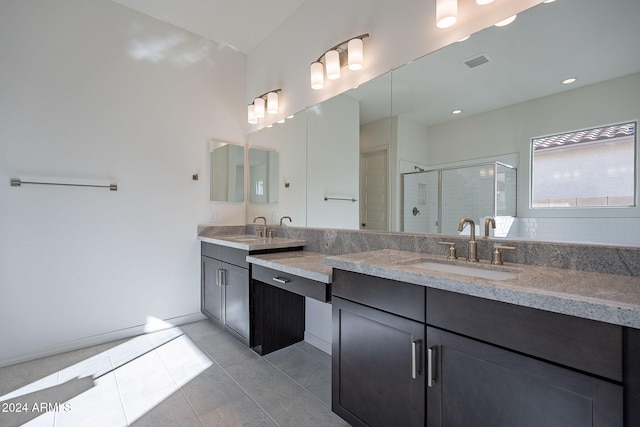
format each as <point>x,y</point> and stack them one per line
<point>349,52</point>
<point>506,22</point>
<point>446,13</point>
<point>267,102</point>
<point>252,115</point>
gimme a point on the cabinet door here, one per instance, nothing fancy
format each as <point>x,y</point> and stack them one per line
<point>378,366</point>
<point>476,384</point>
<point>211,291</point>
<point>236,299</point>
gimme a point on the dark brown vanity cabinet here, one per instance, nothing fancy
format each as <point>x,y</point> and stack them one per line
<point>476,384</point>
<point>378,351</point>
<point>499,364</point>
<point>406,354</point>
<point>225,288</point>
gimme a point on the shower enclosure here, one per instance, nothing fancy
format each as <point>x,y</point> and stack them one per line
<point>434,200</point>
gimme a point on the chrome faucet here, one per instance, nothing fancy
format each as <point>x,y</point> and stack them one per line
<point>283,218</point>
<point>263,232</point>
<point>488,221</point>
<point>473,246</point>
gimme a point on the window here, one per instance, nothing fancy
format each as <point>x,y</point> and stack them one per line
<point>587,168</point>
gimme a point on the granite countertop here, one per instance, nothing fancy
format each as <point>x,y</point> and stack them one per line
<point>299,263</point>
<point>608,298</point>
<point>249,242</point>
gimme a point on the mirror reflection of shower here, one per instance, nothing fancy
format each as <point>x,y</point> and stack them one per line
<point>435,199</point>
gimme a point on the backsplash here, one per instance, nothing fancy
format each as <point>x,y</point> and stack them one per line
<point>588,257</point>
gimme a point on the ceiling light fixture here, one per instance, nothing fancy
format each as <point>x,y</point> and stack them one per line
<point>267,102</point>
<point>446,13</point>
<point>349,52</point>
<point>569,80</point>
<point>506,22</point>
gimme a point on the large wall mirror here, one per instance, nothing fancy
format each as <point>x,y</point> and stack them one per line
<point>226,172</point>
<point>507,84</point>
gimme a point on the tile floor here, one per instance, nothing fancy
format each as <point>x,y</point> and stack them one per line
<point>192,375</point>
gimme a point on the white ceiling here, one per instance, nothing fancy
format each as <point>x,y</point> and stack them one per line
<point>594,41</point>
<point>240,24</point>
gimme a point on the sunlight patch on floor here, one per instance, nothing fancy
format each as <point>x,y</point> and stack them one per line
<point>115,387</point>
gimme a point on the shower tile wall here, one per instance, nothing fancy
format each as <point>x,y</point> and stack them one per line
<point>466,192</point>
<point>421,192</point>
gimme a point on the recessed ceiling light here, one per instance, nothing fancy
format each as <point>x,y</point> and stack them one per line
<point>456,112</point>
<point>549,1</point>
<point>569,80</point>
<point>464,38</point>
<point>506,22</point>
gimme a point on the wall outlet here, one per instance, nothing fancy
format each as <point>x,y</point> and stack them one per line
<point>274,216</point>
<point>213,216</point>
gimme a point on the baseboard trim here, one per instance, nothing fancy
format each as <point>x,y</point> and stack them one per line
<point>317,342</point>
<point>96,340</point>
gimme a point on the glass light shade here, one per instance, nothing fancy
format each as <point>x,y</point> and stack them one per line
<point>251,113</point>
<point>332,60</point>
<point>446,13</point>
<point>483,2</point>
<point>506,22</point>
<point>317,75</point>
<point>272,103</point>
<point>356,54</point>
<point>259,107</point>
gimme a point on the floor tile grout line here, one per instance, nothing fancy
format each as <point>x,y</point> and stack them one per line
<point>115,378</point>
<point>178,385</point>
<point>234,380</point>
<point>113,369</point>
<point>298,383</point>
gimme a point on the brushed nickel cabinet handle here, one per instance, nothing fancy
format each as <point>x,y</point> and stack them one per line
<point>431,365</point>
<point>281,280</point>
<point>222,277</point>
<point>415,358</point>
<point>219,277</point>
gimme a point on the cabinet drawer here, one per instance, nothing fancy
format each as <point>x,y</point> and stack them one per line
<point>403,299</point>
<point>230,255</point>
<point>583,344</point>
<point>292,283</point>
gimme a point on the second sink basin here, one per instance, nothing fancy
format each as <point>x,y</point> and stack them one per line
<point>479,271</point>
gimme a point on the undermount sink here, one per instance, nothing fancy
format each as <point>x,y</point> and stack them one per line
<point>248,239</point>
<point>470,270</point>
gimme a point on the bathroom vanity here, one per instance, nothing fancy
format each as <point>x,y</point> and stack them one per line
<point>444,349</point>
<point>226,289</point>
<point>419,339</point>
<point>255,288</point>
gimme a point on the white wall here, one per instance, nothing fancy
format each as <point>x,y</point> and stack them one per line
<point>93,92</point>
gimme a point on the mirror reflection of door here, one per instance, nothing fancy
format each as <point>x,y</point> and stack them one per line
<point>374,190</point>
<point>263,176</point>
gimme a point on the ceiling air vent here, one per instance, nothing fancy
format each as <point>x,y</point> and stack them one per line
<point>483,58</point>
